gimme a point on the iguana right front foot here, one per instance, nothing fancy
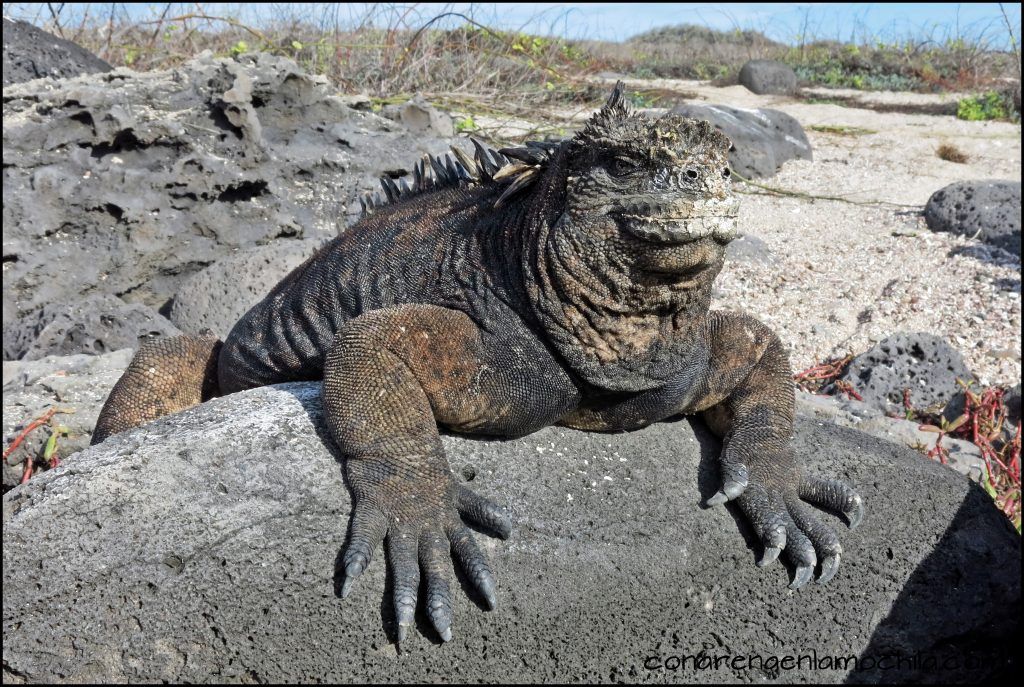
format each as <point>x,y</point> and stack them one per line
<point>418,515</point>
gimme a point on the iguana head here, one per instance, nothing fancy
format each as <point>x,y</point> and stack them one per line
<point>665,181</point>
<point>653,194</point>
<point>638,213</point>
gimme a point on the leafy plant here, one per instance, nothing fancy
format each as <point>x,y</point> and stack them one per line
<point>990,105</point>
<point>466,124</point>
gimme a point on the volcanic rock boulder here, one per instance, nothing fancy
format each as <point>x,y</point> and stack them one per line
<point>922,363</point>
<point>128,183</point>
<point>419,115</point>
<point>93,324</point>
<point>762,139</point>
<point>989,210</point>
<point>768,77</point>
<point>203,547</point>
<point>31,53</point>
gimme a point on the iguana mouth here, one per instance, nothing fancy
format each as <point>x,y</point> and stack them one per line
<point>681,229</point>
<point>681,222</point>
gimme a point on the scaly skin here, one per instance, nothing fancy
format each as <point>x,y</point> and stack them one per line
<point>571,286</point>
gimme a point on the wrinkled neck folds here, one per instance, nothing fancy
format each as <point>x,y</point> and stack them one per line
<point>619,327</point>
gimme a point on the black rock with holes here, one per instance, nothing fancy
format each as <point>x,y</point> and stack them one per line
<point>923,363</point>
<point>988,209</point>
<point>94,324</point>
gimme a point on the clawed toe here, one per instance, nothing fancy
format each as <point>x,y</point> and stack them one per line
<point>784,523</point>
<point>835,496</point>
<point>803,576</point>
<point>829,566</point>
<point>856,513</point>
<point>770,555</point>
<point>734,482</point>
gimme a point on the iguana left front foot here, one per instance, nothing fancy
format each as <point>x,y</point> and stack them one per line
<point>773,501</point>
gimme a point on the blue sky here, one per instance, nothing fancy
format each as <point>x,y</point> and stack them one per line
<point>618,21</point>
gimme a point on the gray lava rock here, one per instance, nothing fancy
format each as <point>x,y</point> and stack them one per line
<point>419,115</point>
<point>76,385</point>
<point>768,77</point>
<point>749,248</point>
<point>204,546</point>
<point>128,183</point>
<point>31,53</point>
<point>964,457</point>
<point>924,363</point>
<point>988,209</point>
<point>93,324</point>
<point>218,296</point>
<point>762,139</point>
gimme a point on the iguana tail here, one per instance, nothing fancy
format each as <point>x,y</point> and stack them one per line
<point>165,376</point>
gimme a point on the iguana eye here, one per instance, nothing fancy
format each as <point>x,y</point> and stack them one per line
<point>622,166</point>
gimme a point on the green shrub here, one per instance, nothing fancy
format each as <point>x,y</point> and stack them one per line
<point>990,105</point>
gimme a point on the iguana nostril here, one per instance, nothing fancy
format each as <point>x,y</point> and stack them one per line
<point>726,173</point>
<point>692,173</point>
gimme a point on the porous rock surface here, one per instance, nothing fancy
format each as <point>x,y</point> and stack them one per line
<point>31,53</point>
<point>762,139</point>
<point>127,183</point>
<point>94,324</point>
<point>203,547</point>
<point>989,210</point>
<point>923,363</point>
<point>217,296</point>
<point>768,77</point>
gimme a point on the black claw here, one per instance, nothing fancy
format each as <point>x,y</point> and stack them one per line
<point>487,587</point>
<point>353,569</point>
<point>440,612</point>
<point>802,577</point>
<point>770,555</point>
<point>718,499</point>
<point>829,566</point>
<point>855,514</point>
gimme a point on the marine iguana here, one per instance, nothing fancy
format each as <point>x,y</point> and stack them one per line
<point>564,282</point>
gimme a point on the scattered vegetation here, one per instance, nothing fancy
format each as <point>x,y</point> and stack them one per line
<point>49,457</point>
<point>989,105</point>
<point>950,153</point>
<point>983,422</point>
<point>841,130</point>
<point>455,60</point>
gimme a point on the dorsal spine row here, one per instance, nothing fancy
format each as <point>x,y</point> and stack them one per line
<point>517,167</point>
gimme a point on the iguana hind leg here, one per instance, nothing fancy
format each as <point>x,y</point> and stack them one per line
<point>390,378</point>
<point>165,376</point>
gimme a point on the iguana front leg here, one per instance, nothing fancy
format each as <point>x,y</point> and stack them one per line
<point>390,378</point>
<point>741,380</point>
